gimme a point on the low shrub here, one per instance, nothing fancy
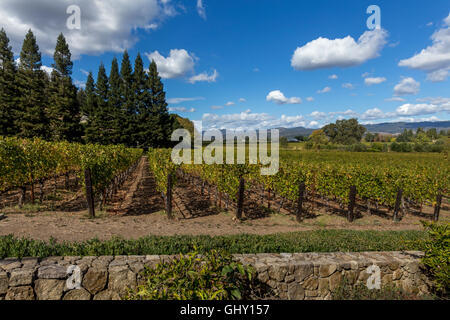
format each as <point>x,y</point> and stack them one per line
<point>213,276</point>
<point>437,255</point>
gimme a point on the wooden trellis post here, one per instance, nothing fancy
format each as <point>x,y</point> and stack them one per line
<point>240,200</point>
<point>301,194</point>
<point>351,203</point>
<point>437,207</point>
<point>169,197</point>
<point>89,192</point>
<point>398,202</point>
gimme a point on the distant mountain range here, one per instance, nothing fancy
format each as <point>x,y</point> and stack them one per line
<point>388,127</point>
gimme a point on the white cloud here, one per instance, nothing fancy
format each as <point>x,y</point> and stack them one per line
<point>242,100</point>
<point>216,107</point>
<point>324,90</point>
<point>181,109</point>
<point>398,99</point>
<point>371,81</point>
<point>345,52</point>
<point>176,65</point>
<point>229,103</point>
<point>310,99</point>
<point>105,26</point>
<point>435,59</point>
<point>86,73</point>
<point>248,120</point>
<point>201,9</point>
<point>313,124</point>
<point>333,77</point>
<point>409,109</point>
<point>365,74</point>
<point>318,115</point>
<point>278,97</point>
<point>348,85</point>
<point>48,70</point>
<point>407,86</point>
<point>204,77</point>
<point>180,100</point>
<point>374,113</point>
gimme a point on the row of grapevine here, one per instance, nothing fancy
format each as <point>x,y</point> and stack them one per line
<point>25,161</point>
<point>161,166</point>
<point>377,178</point>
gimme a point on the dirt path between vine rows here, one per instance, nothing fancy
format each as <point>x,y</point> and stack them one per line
<point>137,210</point>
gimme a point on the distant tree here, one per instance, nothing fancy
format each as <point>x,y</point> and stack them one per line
<point>32,120</point>
<point>369,137</point>
<point>283,142</point>
<point>405,136</point>
<point>318,137</point>
<point>432,133</point>
<point>8,87</point>
<point>344,131</point>
<point>64,108</point>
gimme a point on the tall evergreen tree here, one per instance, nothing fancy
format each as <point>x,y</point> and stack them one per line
<point>99,125</point>
<point>143,129</point>
<point>64,109</point>
<point>8,87</point>
<point>88,107</point>
<point>162,122</point>
<point>115,103</point>
<point>127,96</point>
<point>32,120</point>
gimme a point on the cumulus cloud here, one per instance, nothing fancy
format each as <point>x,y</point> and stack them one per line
<point>324,90</point>
<point>374,113</point>
<point>105,25</point>
<point>204,77</point>
<point>180,100</point>
<point>407,86</point>
<point>344,52</point>
<point>229,103</point>
<point>333,77</point>
<point>371,81</point>
<point>409,109</point>
<point>177,64</point>
<point>435,59</point>
<point>279,98</point>
<point>249,120</point>
<point>242,100</point>
<point>318,115</point>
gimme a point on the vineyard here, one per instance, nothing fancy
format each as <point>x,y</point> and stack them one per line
<point>25,163</point>
<point>398,182</point>
<point>389,185</point>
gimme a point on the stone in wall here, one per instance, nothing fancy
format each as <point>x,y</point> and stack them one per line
<point>296,276</point>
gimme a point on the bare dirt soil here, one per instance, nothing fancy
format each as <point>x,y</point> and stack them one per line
<point>137,210</point>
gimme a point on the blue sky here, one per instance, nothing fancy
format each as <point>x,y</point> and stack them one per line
<point>275,63</point>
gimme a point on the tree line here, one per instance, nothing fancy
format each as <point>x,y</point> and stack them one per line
<point>127,107</point>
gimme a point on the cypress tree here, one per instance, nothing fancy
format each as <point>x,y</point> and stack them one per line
<point>162,123</point>
<point>115,103</point>
<point>8,87</point>
<point>88,107</point>
<point>32,120</point>
<point>143,133</point>
<point>99,125</point>
<point>64,109</point>
<point>127,96</point>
